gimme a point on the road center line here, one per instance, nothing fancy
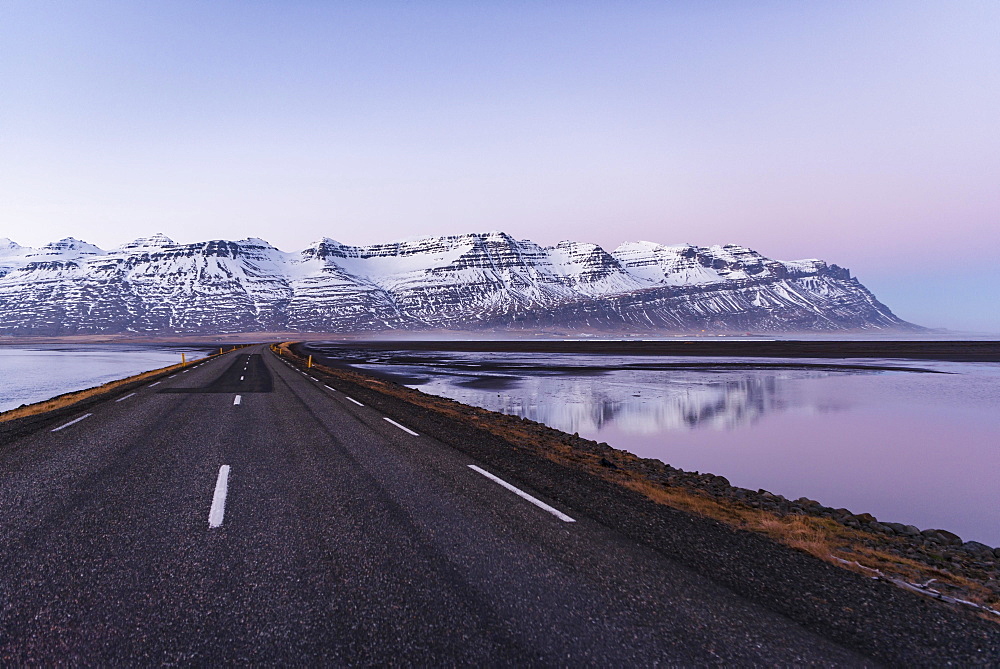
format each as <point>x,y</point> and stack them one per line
<point>520,493</point>
<point>75,420</point>
<point>122,399</point>
<point>241,378</point>
<point>355,401</point>
<point>218,509</point>
<point>236,400</point>
<point>155,384</point>
<point>404,429</point>
<point>329,388</point>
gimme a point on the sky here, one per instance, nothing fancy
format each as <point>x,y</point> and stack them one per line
<point>864,133</point>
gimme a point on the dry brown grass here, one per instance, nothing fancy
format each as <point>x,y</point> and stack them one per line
<point>817,536</point>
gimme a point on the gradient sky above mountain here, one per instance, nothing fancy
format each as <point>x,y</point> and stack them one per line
<point>864,133</point>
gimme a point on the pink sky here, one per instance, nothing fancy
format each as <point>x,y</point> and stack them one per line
<point>864,133</point>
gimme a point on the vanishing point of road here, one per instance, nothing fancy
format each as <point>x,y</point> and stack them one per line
<point>242,512</point>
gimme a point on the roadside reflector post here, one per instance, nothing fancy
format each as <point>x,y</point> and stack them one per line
<point>183,359</point>
<point>310,363</point>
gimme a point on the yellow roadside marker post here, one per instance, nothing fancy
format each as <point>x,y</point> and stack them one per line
<point>183,359</point>
<point>310,363</point>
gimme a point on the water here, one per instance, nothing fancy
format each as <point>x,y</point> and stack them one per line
<point>916,448</point>
<point>30,374</point>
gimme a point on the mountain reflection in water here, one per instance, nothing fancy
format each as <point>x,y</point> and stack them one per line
<point>639,397</point>
<point>642,406</point>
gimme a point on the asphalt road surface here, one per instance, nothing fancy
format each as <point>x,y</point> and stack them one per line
<point>242,512</point>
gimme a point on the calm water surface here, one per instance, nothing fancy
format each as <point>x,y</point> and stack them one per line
<point>908,447</point>
<point>31,374</point>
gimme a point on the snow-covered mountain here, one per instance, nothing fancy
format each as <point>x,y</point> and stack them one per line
<point>473,281</point>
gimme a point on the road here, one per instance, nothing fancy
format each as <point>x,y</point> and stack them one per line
<point>242,512</point>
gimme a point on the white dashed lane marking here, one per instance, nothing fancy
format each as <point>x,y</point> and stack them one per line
<point>218,510</point>
<point>75,420</point>
<point>404,429</point>
<point>237,400</point>
<point>520,493</point>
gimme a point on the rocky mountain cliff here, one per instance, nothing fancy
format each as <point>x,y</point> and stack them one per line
<point>475,281</point>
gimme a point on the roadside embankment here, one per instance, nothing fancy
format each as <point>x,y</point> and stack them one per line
<point>953,568</point>
<point>755,543</point>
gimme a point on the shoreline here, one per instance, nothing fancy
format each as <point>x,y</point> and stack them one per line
<point>945,351</point>
<point>492,366</point>
<point>39,373</point>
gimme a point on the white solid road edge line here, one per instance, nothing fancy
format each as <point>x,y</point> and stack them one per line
<point>122,399</point>
<point>236,400</point>
<point>75,420</point>
<point>218,509</point>
<point>355,401</point>
<point>404,429</point>
<point>520,493</point>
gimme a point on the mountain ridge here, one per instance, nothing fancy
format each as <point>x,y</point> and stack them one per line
<point>470,281</point>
